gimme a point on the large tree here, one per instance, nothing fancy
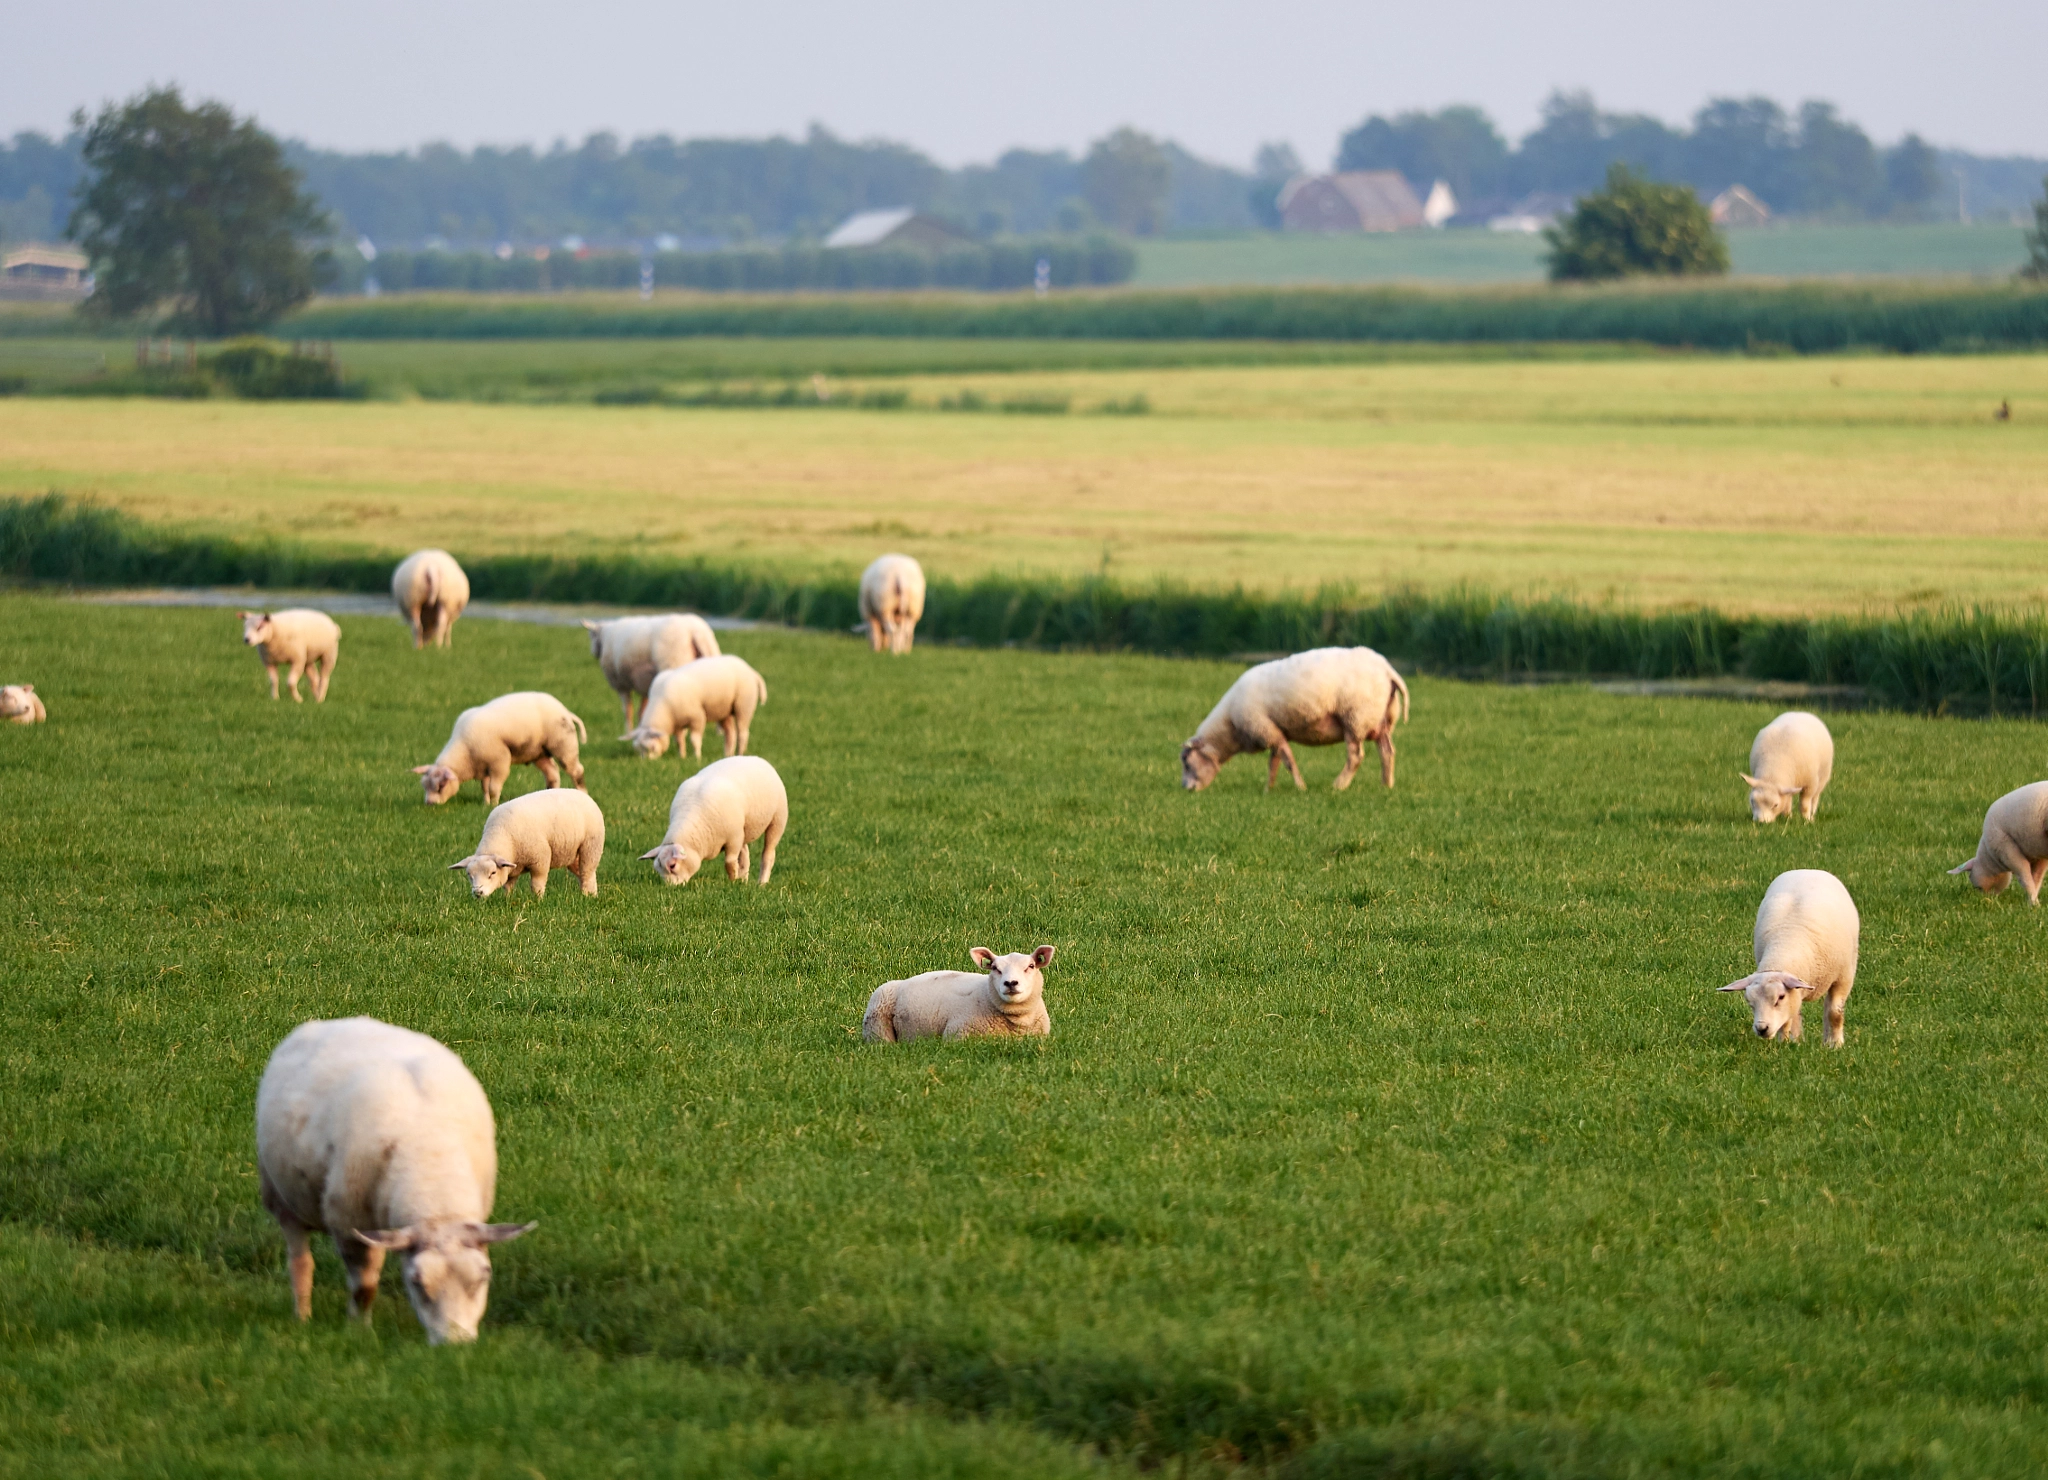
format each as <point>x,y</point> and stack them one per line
<point>1634,225</point>
<point>193,207</point>
<point>1458,144</point>
<point>1125,179</point>
<point>2037,240</point>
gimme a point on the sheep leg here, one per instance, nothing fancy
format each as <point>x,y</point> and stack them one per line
<point>737,860</point>
<point>876,641</point>
<point>1354,753</point>
<point>1386,744</point>
<point>298,1248</point>
<point>739,735</point>
<point>729,733</point>
<point>768,842</point>
<point>322,676</point>
<point>419,635</point>
<point>1272,767</point>
<point>1287,753</point>
<point>538,874</point>
<point>696,742</point>
<point>586,867</point>
<point>271,668</point>
<point>2033,872</point>
<point>364,1265</point>
<point>494,782</point>
<point>1838,1002</point>
<point>575,769</point>
<point>547,767</point>
<point>292,679</point>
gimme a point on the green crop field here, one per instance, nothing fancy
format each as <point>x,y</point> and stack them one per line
<point>1756,484</point>
<point>1380,1133</point>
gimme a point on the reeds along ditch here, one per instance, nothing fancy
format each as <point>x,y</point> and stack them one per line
<point>1947,660</point>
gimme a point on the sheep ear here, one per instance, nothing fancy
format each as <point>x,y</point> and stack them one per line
<point>1965,866</point>
<point>503,862</point>
<point>1802,987</point>
<point>421,770</point>
<point>590,626</point>
<point>1042,955</point>
<point>463,864</point>
<point>983,956</point>
<point>1734,986</point>
<point>395,1239</point>
<point>476,1235</point>
<point>1755,784</point>
<point>648,856</point>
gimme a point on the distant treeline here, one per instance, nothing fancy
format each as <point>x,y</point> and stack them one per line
<point>1966,660</point>
<point>722,191</point>
<point>1801,317</point>
<point>1092,261</point>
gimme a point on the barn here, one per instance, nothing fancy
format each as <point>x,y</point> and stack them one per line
<point>1354,200</point>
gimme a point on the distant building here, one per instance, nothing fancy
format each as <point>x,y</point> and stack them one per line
<point>900,227</point>
<point>1356,200</point>
<point>44,272</point>
<point>1735,206</point>
<point>1441,205</point>
<point>1532,212</point>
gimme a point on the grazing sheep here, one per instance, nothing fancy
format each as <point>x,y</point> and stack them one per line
<point>20,706</point>
<point>299,639</point>
<point>1007,996</point>
<point>527,728</point>
<point>892,602</point>
<point>431,590</point>
<point>2014,841</point>
<point>382,1139</point>
<point>723,691</point>
<point>632,650</point>
<point>531,834</point>
<point>1793,755</point>
<point>722,809</point>
<point>1315,698</point>
<point>1806,939</point>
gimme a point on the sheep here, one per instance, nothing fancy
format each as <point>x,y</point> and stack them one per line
<point>2014,841</point>
<point>1317,698</point>
<point>531,834</point>
<point>19,705</point>
<point>299,639</point>
<point>382,1139</point>
<point>1793,755</point>
<point>526,728</point>
<point>631,650</point>
<point>722,691</point>
<point>892,602</point>
<point>1007,996</point>
<point>431,590</point>
<point>722,809</point>
<point>1806,939</point>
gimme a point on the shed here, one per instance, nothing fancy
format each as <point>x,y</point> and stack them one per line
<point>45,272</point>
<point>900,226</point>
<point>1735,206</point>
<point>1355,200</point>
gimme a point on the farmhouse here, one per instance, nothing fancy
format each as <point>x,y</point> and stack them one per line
<point>1356,200</point>
<point>1531,213</point>
<point>900,226</point>
<point>44,272</point>
<point>1735,206</point>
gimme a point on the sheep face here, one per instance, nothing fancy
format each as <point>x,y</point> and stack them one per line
<point>650,743</point>
<point>1017,980</point>
<point>1197,767</point>
<point>487,873</point>
<point>256,628</point>
<point>1987,877</point>
<point>1774,998</point>
<point>438,783</point>
<point>596,631</point>
<point>447,1272</point>
<point>673,865</point>
<point>1768,802</point>
<point>17,700</point>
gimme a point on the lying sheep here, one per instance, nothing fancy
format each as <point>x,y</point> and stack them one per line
<point>1806,939</point>
<point>380,1138</point>
<point>527,728</point>
<point>632,650</point>
<point>19,705</point>
<point>1007,996</point>
<point>723,691</point>
<point>892,602</point>
<point>722,809</point>
<point>1315,698</point>
<point>431,590</point>
<point>2014,841</point>
<point>1793,755</point>
<point>299,639</point>
<point>531,834</point>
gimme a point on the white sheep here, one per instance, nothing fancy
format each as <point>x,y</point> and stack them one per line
<point>892,602</point>
<point>2014,841</point>
<point>299,639</point>
<point>531,834</point>
<point>1314,698</point>
<point>631,650</point>
<point>431,590</point>
<point>382,1139</point>
<point>526,728</point>
<point>1793,755</point>
<point>722,809</point>
<point>1806,939</point>
<point>20,706</point>
<point>1006,997</point>
<point>723,691</point>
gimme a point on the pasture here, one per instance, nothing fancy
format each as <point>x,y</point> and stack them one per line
<point>1753,484</point>
<point>1395,1133</point>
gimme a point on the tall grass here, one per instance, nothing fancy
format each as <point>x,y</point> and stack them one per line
<point>1802,317</point>
<point>1953,659</point>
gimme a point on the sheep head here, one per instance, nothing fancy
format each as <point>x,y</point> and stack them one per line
<point>437,783</point>
<point>1198,766</point>
<point>1768,801</point>
<point>1986,876</point>
<point>1014,981</point>
<point>649,742</point>
<point>673,864</point>
<point>447,1271</point>
<point>487,872</point>
<point>256,628</point>
<point>1774,998</point>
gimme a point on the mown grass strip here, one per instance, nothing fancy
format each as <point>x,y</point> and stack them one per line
<point>1953,659</point>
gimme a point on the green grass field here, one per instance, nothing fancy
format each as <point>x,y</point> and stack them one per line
<point>1380,1133</point>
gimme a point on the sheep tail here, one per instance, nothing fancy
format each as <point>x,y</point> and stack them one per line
<point>762,684</point>
<point>1399,699</point>
<point>582,735</point>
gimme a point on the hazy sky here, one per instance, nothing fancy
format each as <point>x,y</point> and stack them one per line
<point>963,81</point>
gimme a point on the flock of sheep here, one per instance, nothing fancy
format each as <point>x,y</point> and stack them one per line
<point>380,1136</point>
